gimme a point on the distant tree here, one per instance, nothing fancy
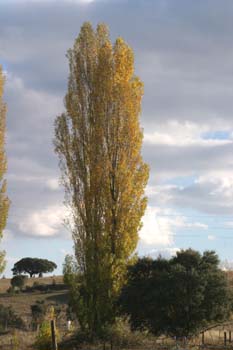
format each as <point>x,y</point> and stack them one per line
<point>18,281</point>
<point>33,266</point>
<point>176,297</point>
<point>4,201</point>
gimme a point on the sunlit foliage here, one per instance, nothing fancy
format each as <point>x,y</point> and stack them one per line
<point>4,201</point>
<point>98,140</point>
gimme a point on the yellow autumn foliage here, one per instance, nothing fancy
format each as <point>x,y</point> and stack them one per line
<point>98,140</point>
<point>4,201</point>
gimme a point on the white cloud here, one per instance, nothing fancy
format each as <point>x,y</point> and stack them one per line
<point>160,226</point>
<point>166,252</point>
<point>65,252</point>
<point>226,265</point>
<point>151,232</point>
<point>37,104</point>
<point>211,193</point>
<point>221,183</point>
<point>174,133</point>
<point>211,237</point>
<point>53,184</point>
<point>187,94</point>
<point>163,194</point>
<point>43,223</point>
<point>7,235</point>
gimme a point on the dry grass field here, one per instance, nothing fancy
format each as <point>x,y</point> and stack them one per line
<point>6,282</point>
<point>23,340</point>
<point>21,304</point>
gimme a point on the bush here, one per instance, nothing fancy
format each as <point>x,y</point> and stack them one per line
<point>15,342</point>
<point>18,281</point>
<point>121,334</point>
<point>44,338</point>
<point>37,287</point>
<point>38,311</point>
<point>10,290</point>
<point>176,297</point>
<point>8,319</point>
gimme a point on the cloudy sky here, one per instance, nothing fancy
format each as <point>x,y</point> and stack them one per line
<point>184,55</point>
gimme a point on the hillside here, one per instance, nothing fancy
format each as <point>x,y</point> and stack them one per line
<point>5,283</point>
<point>53,293</point>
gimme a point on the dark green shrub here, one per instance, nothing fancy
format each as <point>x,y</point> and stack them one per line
<point>18,281</point>
<point>176,297</point>
<point>9,319</point>
<point>38,311</point>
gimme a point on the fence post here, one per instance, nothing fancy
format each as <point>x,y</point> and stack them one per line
<point>53,332</point>
<point>229,336</point>
<point>185,342</point>
<point>225,338</point>
<point>203,338</point>
<point>176,343</point>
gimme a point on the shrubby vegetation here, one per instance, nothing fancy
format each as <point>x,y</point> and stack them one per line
<point>176,297</point>
<point>43,339</point>
<point>18,281</point>
<point>38,311</point>
<point>8,319</point>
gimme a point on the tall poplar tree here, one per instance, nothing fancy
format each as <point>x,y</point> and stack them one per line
<point>98,140</point>
<point>4,201</point>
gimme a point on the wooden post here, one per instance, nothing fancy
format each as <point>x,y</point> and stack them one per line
<point>203,338</point>
<point>185,342</point>
<point>53,332</point>
<point>229,336</point>
<point>176,342</point>
<point>111,344</point>
<point>225,338</point>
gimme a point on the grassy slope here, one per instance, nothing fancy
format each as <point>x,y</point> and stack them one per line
<point>6,282</point>
<point>21,304</point>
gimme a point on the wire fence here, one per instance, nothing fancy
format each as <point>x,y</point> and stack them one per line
<point>218,337</point>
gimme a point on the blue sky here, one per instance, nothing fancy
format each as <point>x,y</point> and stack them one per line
<point>184,55</point>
